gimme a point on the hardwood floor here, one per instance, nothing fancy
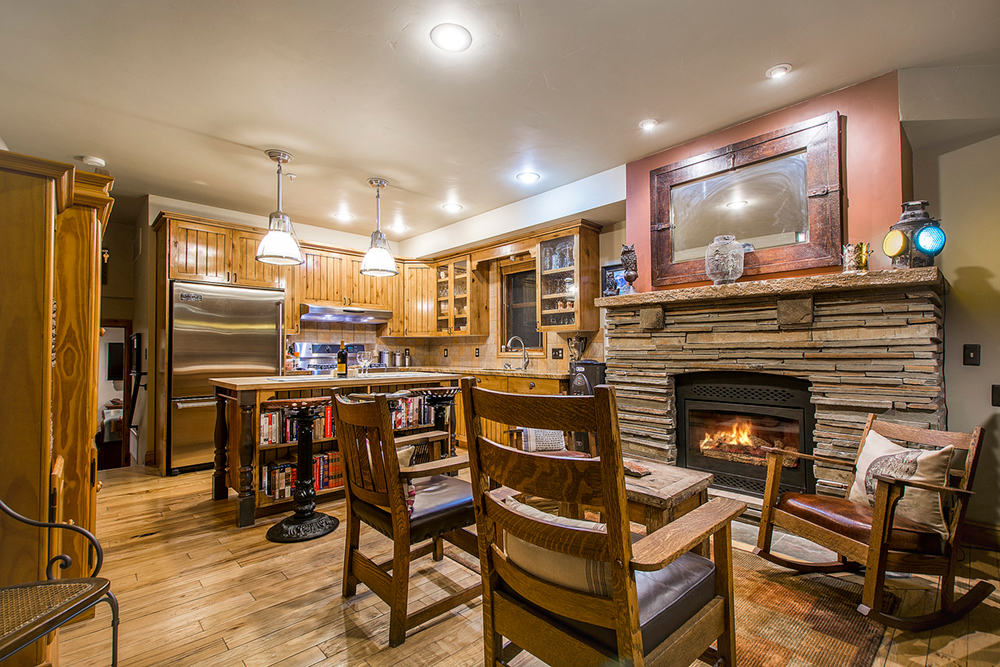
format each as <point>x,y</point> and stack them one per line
<point>196,590</point>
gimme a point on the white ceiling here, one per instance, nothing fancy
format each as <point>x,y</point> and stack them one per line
<point>182,97</point>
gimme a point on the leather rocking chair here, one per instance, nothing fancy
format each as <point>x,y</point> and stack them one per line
<point>874,534</point>
<point>376,492</point>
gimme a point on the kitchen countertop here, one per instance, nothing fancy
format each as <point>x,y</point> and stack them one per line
<point>527,373</point>
<point>412,376</point>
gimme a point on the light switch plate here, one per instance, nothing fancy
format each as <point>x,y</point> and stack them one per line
<point>971,355</point>
<point>446,352</point>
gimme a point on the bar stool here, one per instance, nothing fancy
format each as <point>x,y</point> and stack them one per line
<point>305,523</point>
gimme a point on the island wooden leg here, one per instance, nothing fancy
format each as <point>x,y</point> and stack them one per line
<point>220,489</point>
<point>247,499</point>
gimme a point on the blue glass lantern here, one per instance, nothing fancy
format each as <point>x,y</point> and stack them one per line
<point>930,239</point>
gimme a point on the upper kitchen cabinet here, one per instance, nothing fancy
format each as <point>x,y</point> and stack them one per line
<point>207,251</point>
<point>460,299</point>
<point>569,281</point>
<point>363,291</point>
<point>246,269</point>
<point>419,298</point>
<point>321,275</point>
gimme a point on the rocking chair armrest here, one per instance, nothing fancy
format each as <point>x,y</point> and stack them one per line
<point>656,551</point>
<point>439,467</point>
<point>961,493</point>
<point>812,457</point>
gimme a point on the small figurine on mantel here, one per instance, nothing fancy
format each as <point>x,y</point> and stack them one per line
<point>631,266</point>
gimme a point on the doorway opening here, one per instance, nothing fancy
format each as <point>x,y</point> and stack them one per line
<point>114,393</point>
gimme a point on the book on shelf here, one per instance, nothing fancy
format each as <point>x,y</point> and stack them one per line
<point>278,477</point>
<point>411,412</point>
<point>278,429</point>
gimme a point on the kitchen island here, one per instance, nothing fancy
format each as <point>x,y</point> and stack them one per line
<point>238,429</point>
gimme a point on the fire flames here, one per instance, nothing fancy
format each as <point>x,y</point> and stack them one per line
<point>738,435</point>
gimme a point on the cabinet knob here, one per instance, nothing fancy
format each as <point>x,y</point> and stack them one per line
<point>100,485</point>
<point>479,380</point>
<point>531,385</point>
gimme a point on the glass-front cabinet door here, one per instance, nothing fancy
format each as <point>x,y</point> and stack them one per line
<point>453,288</point>
<point>558,284</point>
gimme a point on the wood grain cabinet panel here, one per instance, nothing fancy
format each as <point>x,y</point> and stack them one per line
<point>419,299</point>
<point>200,251</point>
<point>322,276</point>
<point>246,269</point>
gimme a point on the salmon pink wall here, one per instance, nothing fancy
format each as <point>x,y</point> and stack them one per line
<point>871,150</point>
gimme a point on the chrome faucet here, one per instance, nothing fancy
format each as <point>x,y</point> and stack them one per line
<point>524,351</point>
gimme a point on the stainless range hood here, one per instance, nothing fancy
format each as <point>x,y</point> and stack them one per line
<point>319,312</point>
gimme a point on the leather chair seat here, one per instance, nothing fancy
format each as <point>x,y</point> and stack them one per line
<point>855,522</point>
<point>442,504</point>
<point>667,599</point>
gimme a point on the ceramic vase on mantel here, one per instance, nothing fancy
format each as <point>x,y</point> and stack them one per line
<point>724,260</point>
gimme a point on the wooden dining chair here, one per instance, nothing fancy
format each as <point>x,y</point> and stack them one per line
<point>578,593</point>
<point>871,527</point>
<point>410,505</point>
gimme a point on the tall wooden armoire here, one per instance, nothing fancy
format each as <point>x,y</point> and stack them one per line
<point>51,222</point>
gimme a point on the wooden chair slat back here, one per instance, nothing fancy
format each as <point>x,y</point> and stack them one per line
<point>367,447</point>
<point>557,413</point>
<point>592,544</point>
<point>565,480</point>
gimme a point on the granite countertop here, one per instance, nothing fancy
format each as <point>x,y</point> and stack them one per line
<point>470,370</point>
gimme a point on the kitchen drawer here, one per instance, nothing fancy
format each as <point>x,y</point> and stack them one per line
<point>519,385</point>
<point>492,382</point>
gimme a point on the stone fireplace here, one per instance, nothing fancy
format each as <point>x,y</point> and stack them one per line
<point>808,358</point>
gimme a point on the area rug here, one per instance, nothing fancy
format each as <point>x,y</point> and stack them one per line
<point>787,619</point>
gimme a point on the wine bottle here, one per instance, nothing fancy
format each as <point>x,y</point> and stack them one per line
<point>342,360</point>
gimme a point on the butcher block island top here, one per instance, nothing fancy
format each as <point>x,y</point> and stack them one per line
<point>288,382</point>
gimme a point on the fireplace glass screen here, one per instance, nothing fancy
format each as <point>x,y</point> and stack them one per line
<point>739,437</point>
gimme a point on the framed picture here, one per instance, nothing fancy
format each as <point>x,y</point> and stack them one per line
<point>612,280</point>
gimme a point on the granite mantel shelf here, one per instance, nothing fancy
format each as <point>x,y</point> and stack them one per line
<point>928,277</point>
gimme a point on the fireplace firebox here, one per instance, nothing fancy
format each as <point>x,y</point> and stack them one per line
<point>724,419</point>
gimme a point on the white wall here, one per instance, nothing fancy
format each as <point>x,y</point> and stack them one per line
<point>961,184</point>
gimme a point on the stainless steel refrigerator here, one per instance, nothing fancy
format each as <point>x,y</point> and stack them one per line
<point>215,331</point>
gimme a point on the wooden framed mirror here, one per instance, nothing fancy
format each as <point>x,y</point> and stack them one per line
<point>778,191</point>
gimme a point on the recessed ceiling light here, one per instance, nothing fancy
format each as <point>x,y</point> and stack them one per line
<point>451,37</point>
<point>737,204</point>
<point>452,208</point>
<point>528,177</point>
<point>343,217</point>
<point>648,124</point>
<point>92,161</point>
<point>778,71</point>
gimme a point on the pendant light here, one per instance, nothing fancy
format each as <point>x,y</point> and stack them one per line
<point>378,260</point>
<point>279,245</point>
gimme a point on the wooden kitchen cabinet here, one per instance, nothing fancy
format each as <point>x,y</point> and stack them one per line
<point>519,384</point>
<point>569,281</point>
<point>418,299</point>
<point>204,250</point>
<point>321,276</point>
<point>460,299</point>
<point>52,219</point>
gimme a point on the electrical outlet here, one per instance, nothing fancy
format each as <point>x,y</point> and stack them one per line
<point>445,353</point>
<point>477,351</point>
<point>996,396</point>
<point>557,353</point>
<point>970,355</point>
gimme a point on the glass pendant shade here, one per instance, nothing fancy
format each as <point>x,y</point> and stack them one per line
<point>279,245</point>
<point>378,261</point>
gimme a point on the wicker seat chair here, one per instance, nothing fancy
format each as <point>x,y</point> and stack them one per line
<point>32,610</point>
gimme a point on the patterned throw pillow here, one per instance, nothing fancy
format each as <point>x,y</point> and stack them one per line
<point>543,440</point>
<point>881,456</point>
<point>581,574</point>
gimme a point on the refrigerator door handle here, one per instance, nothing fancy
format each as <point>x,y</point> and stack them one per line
<point>280,361</point>
<point>181,405</point>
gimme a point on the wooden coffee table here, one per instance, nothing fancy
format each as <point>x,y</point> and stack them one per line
<point>666,494</point>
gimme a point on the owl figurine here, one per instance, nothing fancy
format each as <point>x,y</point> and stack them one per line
<point>630,264</point>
